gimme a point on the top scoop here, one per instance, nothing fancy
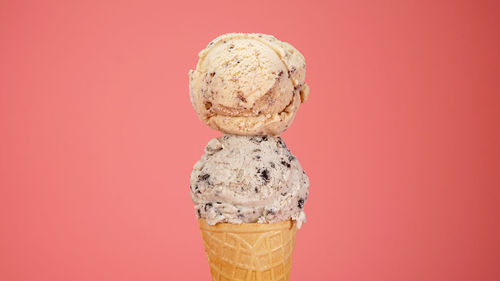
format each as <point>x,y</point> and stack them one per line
<point>248,84</point>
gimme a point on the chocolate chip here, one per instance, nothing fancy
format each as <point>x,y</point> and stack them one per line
<point>284,194</point>
<point>231,46</point>
<point>256,190</point>
<point>264,174</point>
<point>199,213</point>
<point>212,74</point>
<point>259,139</point>
<point>286,164</point>
<point>208,206</point>
<point>241,97</point>
<point>281,142</point>
<point>203,177</point>
<point>271,211</point>
<point>218,202</point>
<point>257,157</point>
<point>291,158</point>
<point>280,73</point>
<point>257,150</point>
<point>208,105</point>
<point>272,164</point>
<point>301,203</point>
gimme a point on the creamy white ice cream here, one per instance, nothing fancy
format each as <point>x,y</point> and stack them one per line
<point>245,179</point>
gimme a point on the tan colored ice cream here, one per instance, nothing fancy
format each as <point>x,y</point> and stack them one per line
<point>248,84</point>
<point>245,179</point>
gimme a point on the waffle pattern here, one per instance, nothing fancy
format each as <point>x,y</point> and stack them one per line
<point>249,252</point>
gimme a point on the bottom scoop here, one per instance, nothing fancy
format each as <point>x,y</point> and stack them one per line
<point>248,179</point>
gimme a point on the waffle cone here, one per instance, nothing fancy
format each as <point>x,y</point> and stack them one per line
<point>249,251</point>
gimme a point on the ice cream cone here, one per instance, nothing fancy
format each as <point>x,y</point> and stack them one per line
<point>249,251</point>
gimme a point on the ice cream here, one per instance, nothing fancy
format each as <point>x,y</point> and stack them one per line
<point>247,179</point>
<point>248,189</point>
<point>248,84</point>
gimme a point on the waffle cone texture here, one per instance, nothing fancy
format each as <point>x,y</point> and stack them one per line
<point>249,251</point>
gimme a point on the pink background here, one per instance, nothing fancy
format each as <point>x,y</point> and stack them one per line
<point>400,137</point>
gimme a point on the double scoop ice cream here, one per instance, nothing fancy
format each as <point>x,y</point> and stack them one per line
<point>248,189</point>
